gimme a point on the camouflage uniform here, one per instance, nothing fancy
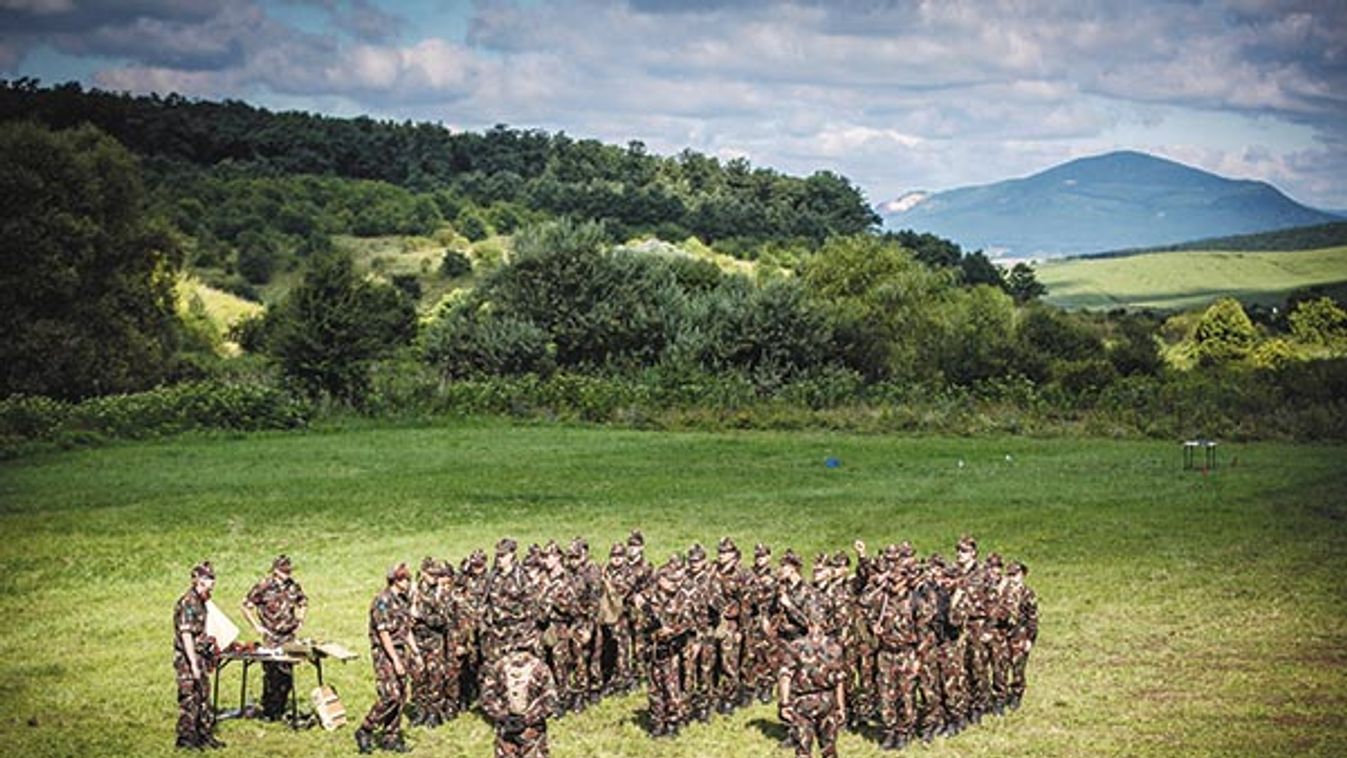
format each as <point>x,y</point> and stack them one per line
<point>699,653</point>
<point>1023,628</point>
<point>669,623</point>
<point>841,621</point>
<point>794,596</point>
<point>760,596</point>
<point>389,612</point>
<point>560,606</point>
<point>518,695</point>
<point>954,650</point>
<point>895,628</point>
<point>641,574</point>
<point>196,720</point>
<point>815,667</point>
<point>729,600</point>
<point>511,607</point>
<point>930,606</point>
<point>977,629</point>
<point>469,602</point>
<point>432,613</point>
<point>615,621</point>
<point>279,602</point>
<point>998,650</point>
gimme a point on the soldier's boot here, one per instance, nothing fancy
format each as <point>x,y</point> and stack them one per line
<point>364,741</point>
<point>764,693</point>
<point>209,741</point>
<point>187,743</point>
<point>1014,702</point>
<point>395,745</point>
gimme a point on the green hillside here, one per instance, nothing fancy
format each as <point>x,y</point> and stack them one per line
<point>1180,280</point>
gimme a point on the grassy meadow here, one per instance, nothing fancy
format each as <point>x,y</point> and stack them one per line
<point>1183,280</point>
<point>1182,613</point>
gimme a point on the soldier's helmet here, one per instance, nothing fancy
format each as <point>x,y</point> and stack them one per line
<point>789,558</point>
<point>281,563</point>
<point>636,539</point>
<point>203,570</point>
<point>506,545</point>
<point>761,550</point>
<point>727,547</point>
<point>696,553</point>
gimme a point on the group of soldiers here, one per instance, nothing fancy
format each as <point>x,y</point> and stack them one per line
<point>909,648</point>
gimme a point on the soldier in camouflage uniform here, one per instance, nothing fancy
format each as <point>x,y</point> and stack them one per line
<point>699,654</point>
<point>998,650</point>
<point>469,602</point>
<point>431,614</point>
<point>930,607</point>
<point>812,686</point>
<point>793,596</point>
<point>560,601</point>
<point>518,695</point>
<point>275,607</point>
<point>669,621</point>
<point>616,622</point>
<point>1022,628</point>
<point>953,651</point>
<point>977,628</point>
<point>586,649</point>
<point>895,629</point>
<point>759,676</point>
<point>842,612</point>
<point>729,601</point>
<point>392,648</point>
<point>193,660</point>
<point>641,575</point>
<point>511,603</point>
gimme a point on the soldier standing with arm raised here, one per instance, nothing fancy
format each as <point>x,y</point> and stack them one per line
<point>275,607</point>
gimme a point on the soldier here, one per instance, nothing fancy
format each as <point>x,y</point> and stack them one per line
<point>275,607</point>
<point>729,600</point>
<point>977,628</point>
<point>392,647</point>
<point>511,605</point>
<point>895,630</point>
<point>469,601</point>
<point>760,596</point>
<point>793,596</point>
<point>812,688</point>
<point>930,607</point>
<point>585,640</point>
<point>518,695</point>
<point>954,651</point>
<point>430,613</point>
<point>841,620</point>
<point>998,627</point>
<point>1023,627</point>
<point>193,659</point>
<point>641,576</point>
<point>560,601</point>
<point>698,660</point>
<point>615,621</point>
<point>668,624</point>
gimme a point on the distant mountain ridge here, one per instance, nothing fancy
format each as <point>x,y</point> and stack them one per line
<point>1101,203</point>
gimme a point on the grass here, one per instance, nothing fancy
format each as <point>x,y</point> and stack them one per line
<point>1182,280</point>
<point>1182,613</point>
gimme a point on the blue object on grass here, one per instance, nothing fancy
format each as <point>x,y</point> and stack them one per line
<point>831,462</point>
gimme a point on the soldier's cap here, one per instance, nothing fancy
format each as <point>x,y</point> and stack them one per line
<point>617,549</point>
<point>890,550</point>
<point>636,539</point>
<point>506,545</point>
<point>673,569</point>
<point>427,565</point>
<point>760,550</point>
<point>696,553</point>
<point>905,549</point>
<point>789,558</point>
<point>967,544</point>
<point>398,571</point>
<point>936,560</point>
<point>281,563</point>
<point>551,549</point>
<point>840,560</point>
<point>727,545</point>
<point>579,544</point>
<point>1017,569</point>
<point>203,570</point>
<point>444,568</point>
<point>995,560</point>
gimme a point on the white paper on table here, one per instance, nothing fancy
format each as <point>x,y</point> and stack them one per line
<point>219,626</point>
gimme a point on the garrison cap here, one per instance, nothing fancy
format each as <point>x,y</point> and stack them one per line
<point>696,553</point>
<point>791,559</point>
<point>1017,569</point>
<point>617,549</point>
<point>203,570</point>
<point>398,571</point>
<point>727,546</point>
<point>840,560</point>
<point>994,560</point>
<point>550,549</point>
<point>967,544</point>
<point>506,545</point>
<point>579,544</point>
<point>281,563</point>
<point>636,539</point>
<point>760,550</point>
<point>905,549</point>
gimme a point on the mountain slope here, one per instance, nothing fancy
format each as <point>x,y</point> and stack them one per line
<point>1106,202</point>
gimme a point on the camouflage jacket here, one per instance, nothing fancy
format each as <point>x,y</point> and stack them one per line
<point>389,612</point>
<point>560,598</point>
<point>469,603</point>
<point>761,591</point>
<point>278,602</point>
<point>731,595</point>
<point>895,620</point>
<point>788,609</point>
<point>699,588</point>
<point>1022,611</point>
<point>519,685</point>
<point>670,616</point>
<point>841,610</point>
<point>815,663</point>
<point>432,607</point>
<point>616,593</point>
<point>510,601</point>
<point>189,615</point>
<point>589,586</point>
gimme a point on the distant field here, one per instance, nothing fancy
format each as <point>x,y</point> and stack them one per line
<point>1182,613</point>
<point>1181,280</point>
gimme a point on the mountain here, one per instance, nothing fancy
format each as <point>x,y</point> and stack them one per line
<point>1105,202</point>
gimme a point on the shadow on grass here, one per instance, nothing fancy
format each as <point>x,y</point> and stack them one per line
<point>771,729</point>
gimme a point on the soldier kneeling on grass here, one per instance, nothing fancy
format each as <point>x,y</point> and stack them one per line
<point>518,694</point>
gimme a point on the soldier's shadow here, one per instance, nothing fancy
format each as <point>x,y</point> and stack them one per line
<point>771,729</point>
<point>641,718</point>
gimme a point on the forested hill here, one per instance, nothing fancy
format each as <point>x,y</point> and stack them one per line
<point>1314,237</point>
<point>729,202</point>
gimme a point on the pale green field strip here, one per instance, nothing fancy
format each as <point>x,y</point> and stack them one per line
<point>1183,280</point>
<point>1182,614</point>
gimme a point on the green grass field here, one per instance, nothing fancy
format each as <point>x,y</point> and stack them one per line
<point>1182,613</point>
<point>1183,280</point>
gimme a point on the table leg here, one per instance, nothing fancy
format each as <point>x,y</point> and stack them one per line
<point>243,688</point>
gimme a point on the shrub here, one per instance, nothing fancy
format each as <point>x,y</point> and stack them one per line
<point>455,264</point>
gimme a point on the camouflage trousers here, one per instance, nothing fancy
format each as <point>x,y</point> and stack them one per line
<point>979,666</point>
<point>529,743</point>
<point>385,716</point>
<point>467,684</point>
<point>699,657</point>
<point>729,653</point>
<point>897,678</point>
<point>759,672</point>
<point>931,713</point>
<point>278,680</point>
<point>998,655</point>
<point>196,719</point>
<point>861,696</point>
<point>665,693</point>
<point>619,636</point>
<point>560,659</point>
<point>814,716</point>
<point>952,657</point>
<point>588,654</point>
<point>1019,659</point>
<point>429,679</point>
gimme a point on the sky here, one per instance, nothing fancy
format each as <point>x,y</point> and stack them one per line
<point>897,96</point>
